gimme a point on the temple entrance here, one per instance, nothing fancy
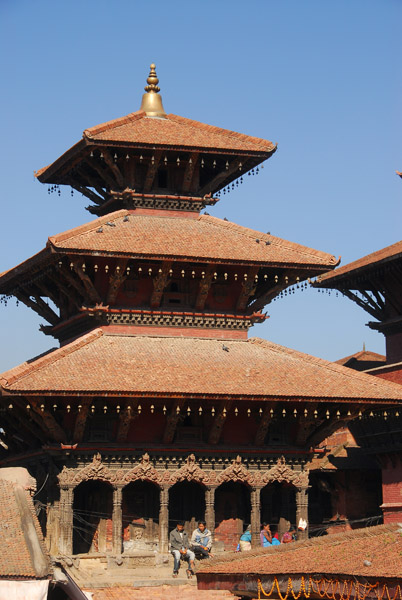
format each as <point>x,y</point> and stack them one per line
<point>232,514</point>
<point>140,508</point>
<point>92,524</point>
<point>186,503</point>
<point>278,506</point>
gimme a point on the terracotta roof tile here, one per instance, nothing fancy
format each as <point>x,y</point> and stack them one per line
<point>15,558</point>
<point>338,554</point>
<point>103,361</point>
<point>202,238</point>
<point>174,131</point>
<point>364,264</point>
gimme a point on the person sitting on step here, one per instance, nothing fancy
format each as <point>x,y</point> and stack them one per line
<point>179,547</point>
<point>201,540</point>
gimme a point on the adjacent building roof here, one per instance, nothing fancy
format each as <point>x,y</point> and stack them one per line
<point>103,361</point>
<point>23,554</point>
<point>369,552</point>
<point>362,265</point>
<point>363,360</point>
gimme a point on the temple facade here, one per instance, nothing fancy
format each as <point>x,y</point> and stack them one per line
<point>157,406</point>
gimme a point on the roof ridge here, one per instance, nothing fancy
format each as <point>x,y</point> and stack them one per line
<point>350,373</point>
<point>86,227</point>
<point>134,116</point>
<point>225,132</point>
<point>248,232</point>
<point>9,377</point>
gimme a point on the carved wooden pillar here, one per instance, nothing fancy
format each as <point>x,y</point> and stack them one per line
<point>164,520</point>
<point>255,516</point>
<point>66,520</point>
<point>117,520</point>
<point>302,510</point>
<point>210,508</point>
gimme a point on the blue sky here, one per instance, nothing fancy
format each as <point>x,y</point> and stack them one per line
<point>321,78</point>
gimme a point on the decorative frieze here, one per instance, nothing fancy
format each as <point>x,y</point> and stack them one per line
<point>191,470</point>
<point>176,319</point>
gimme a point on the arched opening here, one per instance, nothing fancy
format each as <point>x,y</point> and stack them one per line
<point>232,514</point>
<point>92,523</point>
<point>278,506</point>
<point>140,508</point>
<point>186,503</point>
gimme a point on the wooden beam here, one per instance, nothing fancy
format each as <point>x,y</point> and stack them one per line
<point>263,425</point>
<point>113,167</point>
<point>81,420</point>
<point>328,426</point>
<point>89,286</point>
<point>86,192</point>
<point>171,422</point>
<point>248,288</point>
<point>151,171</point>
<point>221,176</point>
<point>352,296</point>
<point>218,423</point>
<point>271,292</point>
<point>189,171</point>
<point>41,308</point>
<point>93,183</point>
<point>75,283</point>
<point>159,283</point>
<point>203,290</point>
<point>101,171</point>
<point>116,280</point>
<point>28,419</point>
<point>126,417</point>
<point>53,428</point>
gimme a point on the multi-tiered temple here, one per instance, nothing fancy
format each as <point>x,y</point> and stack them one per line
<point>157,406</point>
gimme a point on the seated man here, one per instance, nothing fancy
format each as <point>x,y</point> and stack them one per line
<point>179,547</point>
<point>201,540</point>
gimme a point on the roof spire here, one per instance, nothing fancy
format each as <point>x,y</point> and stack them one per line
<point>151,101</point>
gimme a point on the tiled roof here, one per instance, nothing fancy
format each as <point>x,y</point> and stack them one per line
<point>16,560</point>
<point>201,238</point>
<point>362,265</point>
<point>174,131</point>
<point>363,360</point>
<point>106,362</point>
<point>337,554</point>
<point>160,592</point>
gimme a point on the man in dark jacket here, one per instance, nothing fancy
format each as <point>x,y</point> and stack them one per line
<point>179,547</point>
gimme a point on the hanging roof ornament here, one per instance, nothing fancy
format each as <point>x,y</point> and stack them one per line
<point>151,101</point>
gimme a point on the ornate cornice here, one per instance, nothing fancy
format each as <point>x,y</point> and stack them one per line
<point>174,318</point>
<point>237,471</point>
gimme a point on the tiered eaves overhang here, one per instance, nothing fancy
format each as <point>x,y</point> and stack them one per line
<point>146,267</point>
<point>373,282</point>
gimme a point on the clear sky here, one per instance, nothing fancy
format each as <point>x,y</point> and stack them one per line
<point>320,77</point>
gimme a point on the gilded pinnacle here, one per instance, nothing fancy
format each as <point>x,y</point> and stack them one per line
<point>151,101</point>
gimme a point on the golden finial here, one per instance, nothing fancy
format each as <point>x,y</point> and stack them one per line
<point>151,101</point>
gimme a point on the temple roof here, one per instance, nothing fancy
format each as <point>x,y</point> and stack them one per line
<point>172,132</point>
<point>104,361</point>
<point>203,238</point>
<point>137,128</point>
<point>362,265</point>
<point>369,552</point>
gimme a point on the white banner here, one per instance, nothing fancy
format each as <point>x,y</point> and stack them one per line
<point>23,590</point>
